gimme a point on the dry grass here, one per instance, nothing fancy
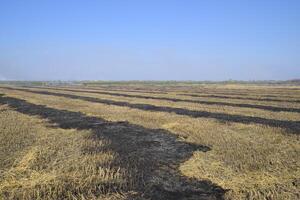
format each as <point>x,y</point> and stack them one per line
<point>42,162</point>
<point>252,161</point>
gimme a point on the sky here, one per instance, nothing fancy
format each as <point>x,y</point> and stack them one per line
<point>149,40</point>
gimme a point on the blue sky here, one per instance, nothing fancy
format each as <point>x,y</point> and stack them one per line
<point>149,40</point>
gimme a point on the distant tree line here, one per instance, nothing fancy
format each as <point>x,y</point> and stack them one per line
<point>140,82</point>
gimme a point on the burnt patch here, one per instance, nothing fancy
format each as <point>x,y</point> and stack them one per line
<point>244,98</point>
<point>291,126</point>
<point>240,105</point>
<point>151,157</point>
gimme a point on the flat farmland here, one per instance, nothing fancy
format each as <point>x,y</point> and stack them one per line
<point>150,141</point>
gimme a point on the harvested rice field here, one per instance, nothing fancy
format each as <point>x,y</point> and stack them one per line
<point>150,141</point>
